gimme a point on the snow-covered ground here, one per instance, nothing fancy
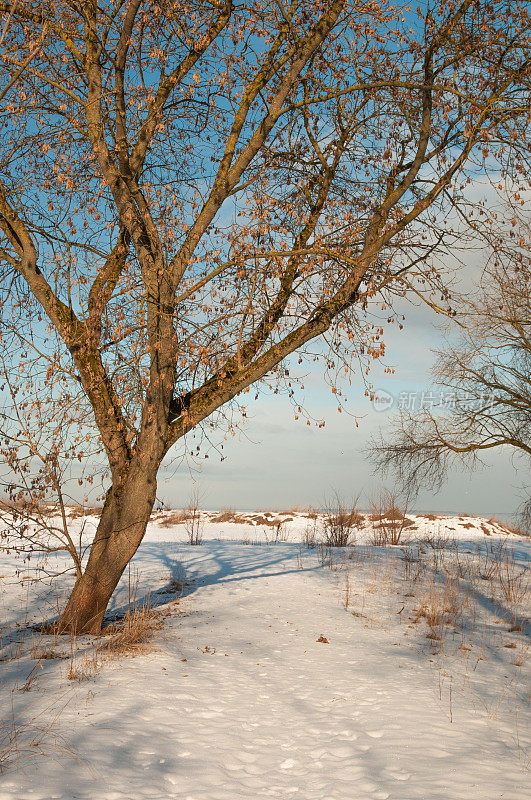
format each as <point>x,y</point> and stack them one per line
<point>366,672</point>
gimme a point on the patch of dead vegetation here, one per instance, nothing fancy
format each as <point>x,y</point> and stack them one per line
<point>174,588</point>
<point>77,512</point>
<point>84,669</point>
<point>497,526</point>
<point>27,508</point>
<point>383,522</point>
<point>132,635</point>
<point>268,520</point>
<point>264,518</point>
<point>170,518</point>
<point>230,517</point>
<point>47,654</point>
<point>350,519</point>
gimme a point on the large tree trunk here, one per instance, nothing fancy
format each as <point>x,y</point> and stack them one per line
<point>120,531</point>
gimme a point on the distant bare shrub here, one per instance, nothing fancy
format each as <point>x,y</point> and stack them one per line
<point>326,555</point>
<point>194,523</point>
<point>485,565</point>
<point>388,520</point>
<point>280,532</point>
<point>378,536</point>
<point>310,534</point>
<point>340,523</point>
<point>436,540</point>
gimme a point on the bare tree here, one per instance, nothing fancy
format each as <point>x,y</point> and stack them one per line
<point>486,386</point>
<point>190,191</point>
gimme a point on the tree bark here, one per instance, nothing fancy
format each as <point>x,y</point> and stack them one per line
<point>120,531</point>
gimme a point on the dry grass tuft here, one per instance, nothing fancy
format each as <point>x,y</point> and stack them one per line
<point>46,654</point>
<point>175,586</point>
<point>83,670</point>
<point>21,740</point>
<point>441,606</point>
<point>132,635</point>
<point>311,532</point>
<point>513,581</point>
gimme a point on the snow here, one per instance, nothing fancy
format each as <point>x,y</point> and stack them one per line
<point>237,697</point>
